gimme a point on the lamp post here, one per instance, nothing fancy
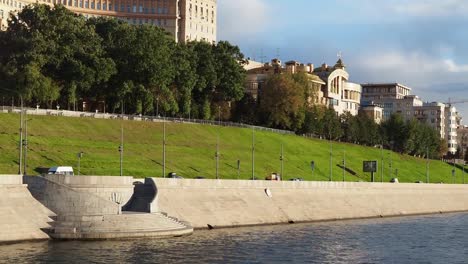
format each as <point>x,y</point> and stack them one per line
<point>20,172</point>
<point>157,106</point>
<point>427,165</point>
<point>382,163</point>
<point>217,157</point>
<point>344,165</point>
<point>312,166</point>
<point>164,147</point>
<point>330,178</point>
<point>25,145</point>
<point>282,161</point>
<point>79,155</point>
<point>20,143</point>
<point>253,153</point>
<point>121,149</point>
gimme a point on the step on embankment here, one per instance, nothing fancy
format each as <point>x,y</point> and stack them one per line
<point>82,215</point>
<point>22,217</point>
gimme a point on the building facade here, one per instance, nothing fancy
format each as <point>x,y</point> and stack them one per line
<point>186,20</point>
<point>395,98</point>
<point>329,85</point>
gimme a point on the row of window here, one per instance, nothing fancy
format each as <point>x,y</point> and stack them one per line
<point>15,4</point>
<point>105,6</point>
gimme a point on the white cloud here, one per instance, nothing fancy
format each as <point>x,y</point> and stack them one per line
<point>456,68</point>
<point>432,7</point>
<point>241,18</point>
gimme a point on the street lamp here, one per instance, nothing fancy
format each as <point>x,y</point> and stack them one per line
<point>312,166</point>
<point>25,145</point>
<point>217,157</point>
<point>20,143</point>
<point>344,165</point>
<point>121,149</point>
<point>80,155</point>
<point>282,161</point>
<point>253,153</point>
<point>331,159</point>
<point>157,106</point>
<point>427,165</point>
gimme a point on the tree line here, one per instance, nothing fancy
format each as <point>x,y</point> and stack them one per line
<point>49,55</point>
<point>285,102</point>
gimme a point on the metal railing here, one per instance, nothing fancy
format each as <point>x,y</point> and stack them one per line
<point>97,115</point>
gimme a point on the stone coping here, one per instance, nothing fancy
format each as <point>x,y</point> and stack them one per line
<point>11,179</point>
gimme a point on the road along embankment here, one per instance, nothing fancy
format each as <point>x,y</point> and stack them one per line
<point>230,203</point>
<point>22,218</point>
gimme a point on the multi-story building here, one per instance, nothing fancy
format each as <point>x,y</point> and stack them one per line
<point>396,98</point>
<point>329,85</point>
<point>451,116</point>
<point>186,20</point>
<point>462,137</point>
<point>432,114</point>
<point>381,91</point>
<point>373,111</point>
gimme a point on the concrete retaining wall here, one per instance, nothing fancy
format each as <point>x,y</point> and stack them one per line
<point>65,201</point>
<point>226,203</point>
<point>112,188</point>
<point>21,216</point>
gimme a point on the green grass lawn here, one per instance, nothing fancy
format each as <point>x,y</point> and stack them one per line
<point>191,151</point>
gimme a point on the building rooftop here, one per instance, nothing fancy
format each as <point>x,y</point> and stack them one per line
<point>384,84</point>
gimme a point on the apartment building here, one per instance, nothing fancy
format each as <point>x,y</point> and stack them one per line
<point>330,85</point>
<point>396,98</point>
<point>186,20</point>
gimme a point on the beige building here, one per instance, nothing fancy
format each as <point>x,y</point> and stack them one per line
<point>186,20</point>
<point>329,84</point>
<point>373,111</point>
<point>462,137</point>
<point>395,98</point>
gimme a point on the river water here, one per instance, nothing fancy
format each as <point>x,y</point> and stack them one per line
<point>423,239</point>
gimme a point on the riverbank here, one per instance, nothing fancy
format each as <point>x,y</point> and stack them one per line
<point>229,203</point>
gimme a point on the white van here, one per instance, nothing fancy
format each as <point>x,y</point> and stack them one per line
<point>62,170</point>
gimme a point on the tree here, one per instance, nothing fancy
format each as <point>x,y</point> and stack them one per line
<point>395,132</point>
<point>282,102</point>
<point>230,71</point>
<point>331,125</point>
<point>58,47</point>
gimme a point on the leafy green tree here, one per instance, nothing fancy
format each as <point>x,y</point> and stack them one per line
<point>331,125</point>
<point>230,71</point>
<point>282,102</point>
<point>313,122</point>
<point>395,132</point>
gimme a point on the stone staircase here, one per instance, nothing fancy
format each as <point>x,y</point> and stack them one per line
<point>85,216</point>
<point>126,225</point>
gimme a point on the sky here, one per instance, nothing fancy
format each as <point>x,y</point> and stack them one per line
<point>419,43</point>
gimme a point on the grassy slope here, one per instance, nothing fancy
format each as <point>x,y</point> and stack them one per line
<point>190,151</point>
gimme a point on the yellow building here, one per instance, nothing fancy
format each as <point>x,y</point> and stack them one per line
<point>186,20</point>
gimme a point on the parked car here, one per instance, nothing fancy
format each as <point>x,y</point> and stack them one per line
<point>174,175</point>
<point>296,179</point>
<point>62,170</point>
<point>394,180</point>
<point>273,177</point>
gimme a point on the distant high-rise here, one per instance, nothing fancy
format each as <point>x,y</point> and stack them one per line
<point>186,20</point>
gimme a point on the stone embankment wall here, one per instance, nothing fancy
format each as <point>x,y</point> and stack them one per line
<point>66,201</point>
<point>227,203</point>
<point>21,216</point>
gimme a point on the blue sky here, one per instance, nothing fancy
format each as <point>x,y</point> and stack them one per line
<point>419,43</point>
